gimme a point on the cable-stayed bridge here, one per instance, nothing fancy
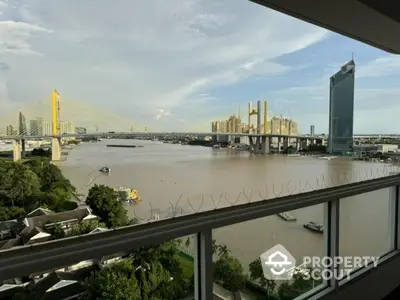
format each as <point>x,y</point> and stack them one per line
<point>38,116</point>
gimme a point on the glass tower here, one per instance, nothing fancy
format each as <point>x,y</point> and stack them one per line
<point>341,110</point>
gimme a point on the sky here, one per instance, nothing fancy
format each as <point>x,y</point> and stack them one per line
<point>177,65</point>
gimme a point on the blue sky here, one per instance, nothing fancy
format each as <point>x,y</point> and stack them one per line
<point>181,65</point>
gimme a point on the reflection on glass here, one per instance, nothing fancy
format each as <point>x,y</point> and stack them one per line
<point>366,224</point>
<point>264,257</point>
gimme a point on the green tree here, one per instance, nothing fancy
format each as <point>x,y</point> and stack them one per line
<point>85,227</point>
<point>32,184</point>
<point>10,213</point>
<point>58,232</point>
<point>257,274</point>
<point>230,273</point>
<point>223,250</point>
<point>154,281</point>
<point>17,183</point>
<point>52,178</point>
<point>41,152</point>
<point>116,282</point>
<point>299,286</point>
<point>167,255</point>
<point>122,195</point>
<point>214,247</point>
<point>104,202</point>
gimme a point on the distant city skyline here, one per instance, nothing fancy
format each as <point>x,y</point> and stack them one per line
<point>167,72</point>
<point>38,127</point>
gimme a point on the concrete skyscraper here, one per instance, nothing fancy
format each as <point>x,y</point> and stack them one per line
<point>341,110</point>
<point>312,130</point>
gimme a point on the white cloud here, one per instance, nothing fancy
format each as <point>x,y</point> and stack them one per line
<point>133,57</point>
<point>162,114</point>
<point>14,37</point>
<point>383,66</point>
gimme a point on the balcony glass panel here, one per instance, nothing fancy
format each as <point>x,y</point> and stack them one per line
<point>242,253</point>
<point>164,271</point>
<point>367,224</point>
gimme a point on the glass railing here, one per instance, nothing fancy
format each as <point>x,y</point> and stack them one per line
<point>197,255</point>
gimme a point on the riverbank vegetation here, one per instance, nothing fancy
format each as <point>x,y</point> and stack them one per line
<point>36,153</point>
<point>30,185</point>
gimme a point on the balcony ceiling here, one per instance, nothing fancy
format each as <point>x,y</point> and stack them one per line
<point>374,22</point>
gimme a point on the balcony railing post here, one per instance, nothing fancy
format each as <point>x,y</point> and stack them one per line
<point>396,218</point>
<point>332,221</point>
<point>204,266</point>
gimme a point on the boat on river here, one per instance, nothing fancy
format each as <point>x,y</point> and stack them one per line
<point>315,227</point>
<point>287,217</point>
<point>129,196</point>
<point>106,170</point>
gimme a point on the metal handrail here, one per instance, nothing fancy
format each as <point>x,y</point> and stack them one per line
<point>19,261</point>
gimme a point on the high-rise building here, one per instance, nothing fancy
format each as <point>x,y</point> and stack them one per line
<point>22,125</point>
<point>39,122</point>
<point>47,128</point>
<point>312,130</point>
<point>293,128</point>
<point>67,127</point>
<point>341,109</point>
<point>33,128</point>
<point>10,130</point>
<point>232,125</point>
<point>275,126</point>
<point>279,125</point>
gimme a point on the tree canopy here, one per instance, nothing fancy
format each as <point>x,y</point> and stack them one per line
<point>147,273</point>
<point>105,203</point>
<point>257,275</point>
<point>32,184</point>
<point>228,270</point>
<point>115,282</point>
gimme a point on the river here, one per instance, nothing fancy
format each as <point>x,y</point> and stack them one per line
<point>184,179</point>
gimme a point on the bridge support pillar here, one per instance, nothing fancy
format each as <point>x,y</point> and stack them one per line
<point>254,144</point>
<point>303,144</point>
<point>55,149</point>
<point>265,144</point>
<point>251,144</point>
<point>285,142</point>
<point>245,140</point>
<point>22,148</point>
<point>297,145</point>
<point>279,144</point>
<point>16,150</point>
